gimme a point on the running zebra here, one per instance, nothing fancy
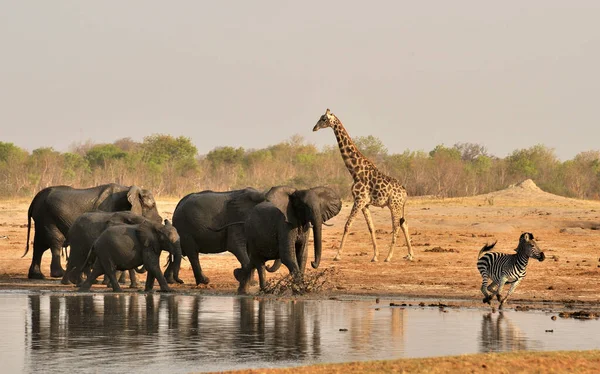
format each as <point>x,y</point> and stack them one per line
<point>502,268</point>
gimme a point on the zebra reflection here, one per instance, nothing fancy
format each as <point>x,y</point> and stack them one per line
<point>500,335</point>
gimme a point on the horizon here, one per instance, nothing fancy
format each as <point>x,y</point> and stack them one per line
<point>507,76</point>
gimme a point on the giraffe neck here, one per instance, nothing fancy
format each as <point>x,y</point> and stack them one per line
<point>352,157</point>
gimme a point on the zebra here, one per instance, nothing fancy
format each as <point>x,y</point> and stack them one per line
<point>502,268</point>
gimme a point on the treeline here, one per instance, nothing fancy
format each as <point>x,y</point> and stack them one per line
<point>171,166</point>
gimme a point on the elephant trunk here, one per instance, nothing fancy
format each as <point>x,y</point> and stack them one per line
<point>317,234</point>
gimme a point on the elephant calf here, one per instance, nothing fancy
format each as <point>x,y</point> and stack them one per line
<point>82,235</point>
<point>279,228</point>
<point>126,247</point>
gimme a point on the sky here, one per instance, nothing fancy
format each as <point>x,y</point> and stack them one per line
<point>507,75</point>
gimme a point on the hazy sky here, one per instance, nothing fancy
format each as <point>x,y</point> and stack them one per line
<point>507,74</point>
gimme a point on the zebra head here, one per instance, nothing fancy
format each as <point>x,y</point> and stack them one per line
<point>529,247</point>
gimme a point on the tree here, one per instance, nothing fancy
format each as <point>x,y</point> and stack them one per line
<point>371,147</point>
<point>538,162</point>
<point>225,155</point>
<point>160,149</point>
<point>99,155</point>
<point>470,151</point>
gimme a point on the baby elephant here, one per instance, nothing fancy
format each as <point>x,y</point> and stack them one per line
<point>126,247</point>
<point>502,268</point>
<point>82,235</point>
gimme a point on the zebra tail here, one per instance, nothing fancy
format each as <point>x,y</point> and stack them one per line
<point>486,248</point>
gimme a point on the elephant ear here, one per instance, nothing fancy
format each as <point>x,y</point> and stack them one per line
<point>146,234</point>
<point>285,199</point>
<point>147,199</point>
<point>134,198</point>
<point>331,203</point>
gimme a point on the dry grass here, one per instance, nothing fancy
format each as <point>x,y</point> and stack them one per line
<point>514,362</point>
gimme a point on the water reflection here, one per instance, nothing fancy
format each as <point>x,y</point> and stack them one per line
<point>217,330</point>
<point>499,334</point>
<point>183,333</point>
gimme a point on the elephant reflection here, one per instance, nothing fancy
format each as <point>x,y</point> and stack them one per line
<point>500,335</point>
<point>195,328</point>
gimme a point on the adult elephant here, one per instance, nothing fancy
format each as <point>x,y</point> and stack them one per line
<point>54,209</point>
<point>82,235</point>
<point>196,216</point>
<point>278,229</point>
<point>126,247</point>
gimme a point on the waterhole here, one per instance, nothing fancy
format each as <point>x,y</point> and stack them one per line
<point>56,333</point>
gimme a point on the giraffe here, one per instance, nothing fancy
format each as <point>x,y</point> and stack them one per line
<point>370,187</point>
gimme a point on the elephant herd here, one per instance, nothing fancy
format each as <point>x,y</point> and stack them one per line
<point>112,228</point>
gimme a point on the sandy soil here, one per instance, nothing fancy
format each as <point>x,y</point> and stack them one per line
<point>567,229</point>
<point>513,362</point>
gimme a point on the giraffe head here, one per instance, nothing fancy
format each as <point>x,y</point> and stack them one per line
<point>327,120</point>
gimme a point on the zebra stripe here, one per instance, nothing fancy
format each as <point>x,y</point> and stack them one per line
<point>503,268</point>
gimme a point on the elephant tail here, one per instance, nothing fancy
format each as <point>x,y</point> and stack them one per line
<point>226,226</point>
<point>273,268</point>
<point>38,199</point>
<point>29,214</point>
<point>140,270</point>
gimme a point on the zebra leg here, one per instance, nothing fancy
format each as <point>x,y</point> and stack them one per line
<point>484,291</point>
<point>499,291</point>
<point>510,291</point>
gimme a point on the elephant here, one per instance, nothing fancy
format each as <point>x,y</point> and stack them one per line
<point>54,209</point>
<point>81,236</point>
<point>125,247</point>
<point>197,214</point>
<point>278,229</point>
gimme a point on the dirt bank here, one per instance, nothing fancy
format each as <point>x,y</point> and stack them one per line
<point>446,235</point>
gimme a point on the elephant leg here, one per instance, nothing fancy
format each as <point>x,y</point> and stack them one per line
<point>236,245</point>
<point>66,279</point>
<point>56,269</point>
<point>39,247</point>
<point>133,279</point>
<point>97,271</point>
<point>189,248</point>
<point>262,275</point>
<point>152,265</point>
<point>109,272</point>
<point>243,276</point>
<point>149,281</point>
<point>122,277</point>
<point>56,242</point>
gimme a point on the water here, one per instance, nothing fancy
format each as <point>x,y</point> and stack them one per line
<point>181,333</point>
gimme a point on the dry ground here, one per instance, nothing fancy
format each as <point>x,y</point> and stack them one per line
<point>514,362</point>
<point>567,229</point>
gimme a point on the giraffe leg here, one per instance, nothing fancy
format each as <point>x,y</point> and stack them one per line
<point>404,227</point>
<point>371,227</point>
<point>355,208</point>
<point>395,229</point>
